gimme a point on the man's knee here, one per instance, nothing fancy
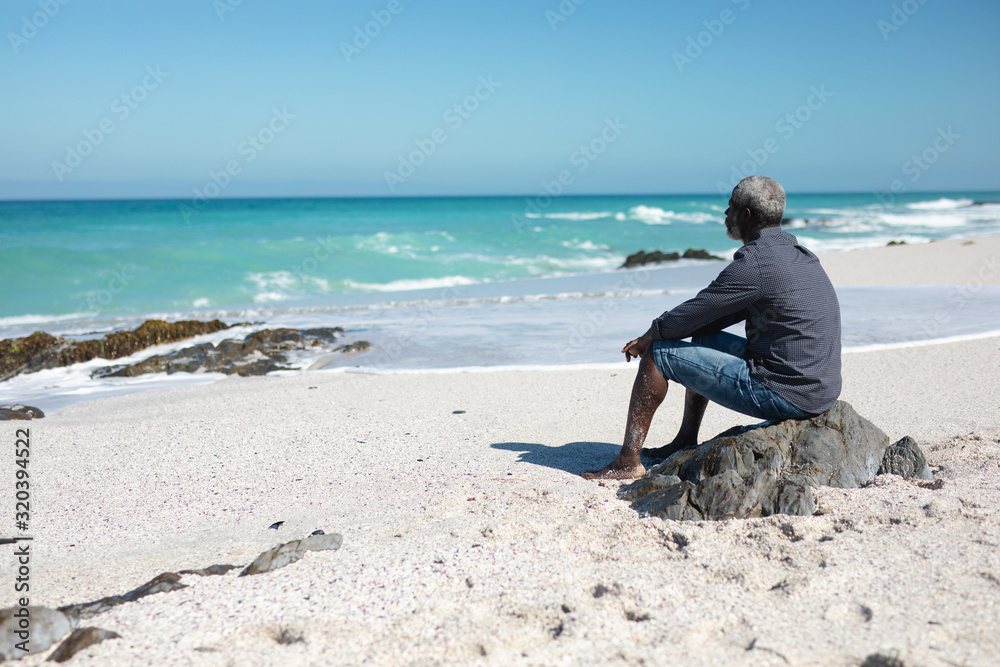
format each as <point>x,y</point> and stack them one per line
<point>648,367</point>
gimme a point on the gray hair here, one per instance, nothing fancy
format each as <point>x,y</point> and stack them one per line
<point>763,196</point>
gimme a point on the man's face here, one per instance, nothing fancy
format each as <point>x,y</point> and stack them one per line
<point>732,228</point>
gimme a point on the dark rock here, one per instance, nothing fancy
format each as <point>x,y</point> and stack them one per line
<point>636,617</point>
<point>210,570</point>
<point>28,353</point>
<point>80,639</point>
<point>905,459</point>
<point>318,531</point>
<point>276,525</point>
<point>166,582</point>
<point>642,258</point>
<point>47,627</point>
<point>287,637</point>
<point>41,350</point>
<point>691,253</point>
<point>668,502</point>
<point>289,552</point>
<point>360,346</point>
<point>258,353</point>
<point>600,590</point>
<point>8,412</point>
<point>763,470</point>
<point>896,243</point>
<point>879,660</point>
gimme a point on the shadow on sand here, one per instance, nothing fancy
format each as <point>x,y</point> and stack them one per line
<point>573,457</point>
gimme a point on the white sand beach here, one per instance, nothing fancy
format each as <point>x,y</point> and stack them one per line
<point>471,539</point>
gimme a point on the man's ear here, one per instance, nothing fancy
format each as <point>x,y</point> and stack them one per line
<point>744,216</point>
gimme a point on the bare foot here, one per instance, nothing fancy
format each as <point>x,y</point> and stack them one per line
<point>617,469</point>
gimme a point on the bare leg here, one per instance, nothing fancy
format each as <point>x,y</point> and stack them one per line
<point>687,435</point>
<point>648,391</point>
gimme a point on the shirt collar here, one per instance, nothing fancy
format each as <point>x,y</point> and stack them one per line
<point>774,234</point>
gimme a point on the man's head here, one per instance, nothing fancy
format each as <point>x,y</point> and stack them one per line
<point>756,202</point>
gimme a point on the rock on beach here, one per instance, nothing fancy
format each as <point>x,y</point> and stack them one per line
<point>772,468</point>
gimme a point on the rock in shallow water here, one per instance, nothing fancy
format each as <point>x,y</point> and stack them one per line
<point>767,469</point>
<point>258,353</point>
<point>642,257</point>
<point>41,350</point>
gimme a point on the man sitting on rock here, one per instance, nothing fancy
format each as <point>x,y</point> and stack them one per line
<point>788,366</point>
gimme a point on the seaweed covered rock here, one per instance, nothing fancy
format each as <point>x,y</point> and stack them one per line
<point>770,468</point>
<point>41,350</point>
<point>258,353</point>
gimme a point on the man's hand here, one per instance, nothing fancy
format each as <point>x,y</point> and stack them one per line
<point>637,347</point>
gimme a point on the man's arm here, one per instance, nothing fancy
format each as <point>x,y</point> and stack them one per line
<point>722,323</point>
<point>723,303</point>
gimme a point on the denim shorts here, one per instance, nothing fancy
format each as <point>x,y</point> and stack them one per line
<point>713,366</point>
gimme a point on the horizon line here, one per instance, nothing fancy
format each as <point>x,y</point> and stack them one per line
<point>4,200</point>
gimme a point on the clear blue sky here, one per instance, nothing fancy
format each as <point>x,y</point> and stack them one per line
<point>687,127</point>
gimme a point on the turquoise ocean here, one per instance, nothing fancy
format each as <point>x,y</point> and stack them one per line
<point>437,283</point>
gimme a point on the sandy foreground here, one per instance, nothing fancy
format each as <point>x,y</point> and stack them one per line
<point>470,538</point>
